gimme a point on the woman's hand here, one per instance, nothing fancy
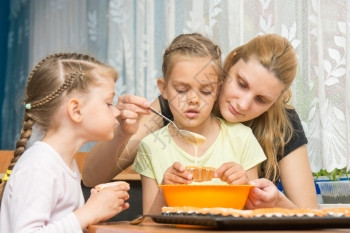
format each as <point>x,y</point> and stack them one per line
<point>131,108</point>
<point>264,195</point>
<point>108,158</point>
<point>176,174</point>
<point>103,204</point>
<point>231,173</point>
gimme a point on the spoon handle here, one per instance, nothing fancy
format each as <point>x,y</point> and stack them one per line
<point>159,114</point>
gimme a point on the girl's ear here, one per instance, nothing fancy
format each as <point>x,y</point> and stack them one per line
<point>162,87</point>
<point>74,110</point>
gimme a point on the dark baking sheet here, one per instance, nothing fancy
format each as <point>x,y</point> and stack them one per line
<point>256,223</point>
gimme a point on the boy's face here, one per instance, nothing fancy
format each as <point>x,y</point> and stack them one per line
<point>191,90</point>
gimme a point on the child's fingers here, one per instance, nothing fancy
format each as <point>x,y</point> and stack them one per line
<point>176,174</point>
<point>178,167</point>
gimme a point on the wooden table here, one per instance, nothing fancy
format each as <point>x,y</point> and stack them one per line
<point>148,226</point>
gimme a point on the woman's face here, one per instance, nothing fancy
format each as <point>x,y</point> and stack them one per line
<point>248,90</point>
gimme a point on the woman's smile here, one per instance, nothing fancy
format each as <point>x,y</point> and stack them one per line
<point>234,111</point>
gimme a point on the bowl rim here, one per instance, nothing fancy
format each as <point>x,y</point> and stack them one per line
<point>232,196</point>
<point>207,185</point>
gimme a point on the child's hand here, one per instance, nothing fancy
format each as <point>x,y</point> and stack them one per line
<point>176,174</point>
<point>131,108</point>
<point>232,173</point>
<point>103,204</point>
<point>263,195</point>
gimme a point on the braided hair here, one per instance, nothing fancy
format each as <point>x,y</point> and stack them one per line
<point>49,82</point>
<point>191,45</point>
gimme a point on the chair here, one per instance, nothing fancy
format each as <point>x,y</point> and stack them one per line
<point>7,155</point>
<point>5,159</point>
<point>127,175</point>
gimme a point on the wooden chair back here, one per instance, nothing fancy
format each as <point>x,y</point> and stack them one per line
<point>7,155</point>
<point>5,159</point>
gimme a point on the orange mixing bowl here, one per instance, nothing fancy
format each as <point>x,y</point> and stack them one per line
<point>206,196</point>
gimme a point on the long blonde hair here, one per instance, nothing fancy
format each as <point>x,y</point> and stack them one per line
<point>49,82</point>
<point>273,128</point>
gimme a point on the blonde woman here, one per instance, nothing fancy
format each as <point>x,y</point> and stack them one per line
<point>256,92</point>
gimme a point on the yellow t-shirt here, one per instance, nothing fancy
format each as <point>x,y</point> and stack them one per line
<point>235,143</point>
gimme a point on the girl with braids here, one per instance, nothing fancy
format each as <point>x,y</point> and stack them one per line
<point>256,91</point>
<point>69,97</point>
<point>192,77</point>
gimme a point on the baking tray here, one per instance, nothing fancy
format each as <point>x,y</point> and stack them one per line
<point>255,223</point>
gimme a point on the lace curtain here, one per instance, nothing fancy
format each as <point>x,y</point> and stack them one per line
<point>132,35</point>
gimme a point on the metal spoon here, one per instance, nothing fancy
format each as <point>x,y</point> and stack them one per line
<point>185,135</point>
<point>138,220</point>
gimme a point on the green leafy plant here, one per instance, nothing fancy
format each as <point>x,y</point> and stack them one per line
<point>334,175</point>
